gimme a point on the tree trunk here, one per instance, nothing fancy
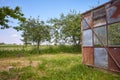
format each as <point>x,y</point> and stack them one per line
<point>74,40</point>
<point>38,44</point>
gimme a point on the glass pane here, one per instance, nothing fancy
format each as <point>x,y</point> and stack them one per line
<point>99,17</point>
<point>87,38</point>
<point>113,11</point>
<point>100,57</point>
<point>84,24</point>
<point>114,34</point>
<point>101,36</point>
<point>87,21</point>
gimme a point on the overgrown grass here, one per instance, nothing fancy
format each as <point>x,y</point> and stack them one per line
<point>56,67</point>
<point>21,51</point>
<point>61,48</point>
<point>51,63</point>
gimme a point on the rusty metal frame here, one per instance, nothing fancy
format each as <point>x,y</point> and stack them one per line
<point>103,44</point>
<point>107,46</point>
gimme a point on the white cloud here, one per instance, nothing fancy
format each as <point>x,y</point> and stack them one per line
<point>14,35</point>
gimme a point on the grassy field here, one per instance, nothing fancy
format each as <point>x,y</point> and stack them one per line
<point>49,66</point>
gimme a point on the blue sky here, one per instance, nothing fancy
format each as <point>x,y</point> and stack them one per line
<point>46,9</point>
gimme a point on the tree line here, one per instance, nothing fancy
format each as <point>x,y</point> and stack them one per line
<point>63,30</point>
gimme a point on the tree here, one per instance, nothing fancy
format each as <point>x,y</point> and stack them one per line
<point>55,30</point>
<point>71,28</point>
<point>25,28</point>
<point>39,32</point>
<point>67,29</point>
<point>34,31</point>
<point>6,13</point>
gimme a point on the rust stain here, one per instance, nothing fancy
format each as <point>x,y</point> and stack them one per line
<point>88,55</point>
<point>117,12</point>
<point>116,54</point>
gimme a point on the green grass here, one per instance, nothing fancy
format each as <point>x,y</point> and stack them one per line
<point>18,51</point>
<point>62,66</point>
<point>52,63</point>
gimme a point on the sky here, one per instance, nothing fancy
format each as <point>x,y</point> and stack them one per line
<point>46,9</point>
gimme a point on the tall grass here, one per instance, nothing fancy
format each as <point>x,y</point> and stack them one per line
<point>21,51</point>
<point>57,67</point>
<point>62,48</point>
<point>53,63</point>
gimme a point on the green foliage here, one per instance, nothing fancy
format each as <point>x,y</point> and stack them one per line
<point>2,43</point>
<point>66,29</point>
<point>55,30</point>
<point>19,51</point>
<point>6,13</point>
<point>58,49</point>
<point>71,30</point>
<point>12,53</point>
<point>34,31</point>
<point>38,32</point>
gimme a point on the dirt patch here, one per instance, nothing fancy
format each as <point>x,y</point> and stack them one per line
<point>16,63</point>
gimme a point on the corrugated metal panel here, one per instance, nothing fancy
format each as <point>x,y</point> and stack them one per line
<point>87,55</point>
<point>100,58</point>
<point>116,54</point>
